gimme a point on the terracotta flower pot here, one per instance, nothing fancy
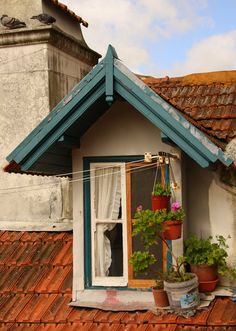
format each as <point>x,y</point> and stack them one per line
<point>205,272</point>
<point>160,202</point>
<point>172,230</point>
<point>207,286</point>
<point>207,276</point>
<point>160,297</point>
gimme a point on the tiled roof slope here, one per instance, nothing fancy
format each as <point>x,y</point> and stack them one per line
<point>208,100</point>
<point>68,11</point>
<point>35,289</point>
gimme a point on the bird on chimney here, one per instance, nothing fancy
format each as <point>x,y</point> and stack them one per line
<point>12,22</point>
<point>44,18</point>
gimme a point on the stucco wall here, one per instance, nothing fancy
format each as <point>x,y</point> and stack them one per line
<point>211,205</point>
<point>121,131</point>
<point>24,101</point>
<point>65,71</point>
<point>33,78</point>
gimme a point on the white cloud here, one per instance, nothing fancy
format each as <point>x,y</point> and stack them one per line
<point>214,53</point>
<point>129,25</point>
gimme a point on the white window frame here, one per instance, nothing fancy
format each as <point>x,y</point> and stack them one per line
<point>109,280</point>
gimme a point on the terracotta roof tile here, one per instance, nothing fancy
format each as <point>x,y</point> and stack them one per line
<point>208,100</point>
<point>162,327</point>
<point>224,313</point>
<point>68,11</point>
<point>35,292</point>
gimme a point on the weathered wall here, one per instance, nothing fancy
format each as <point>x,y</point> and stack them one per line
<point>65,71</point>
<point>39,65</point>
<point>121,131</point>
<point>211,205</point>
<point>24,96</point>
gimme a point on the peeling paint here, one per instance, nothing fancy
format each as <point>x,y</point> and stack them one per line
<point>129,74</point>
<point>206,142</point>
<point>186,125</point>
<point>67,99</point>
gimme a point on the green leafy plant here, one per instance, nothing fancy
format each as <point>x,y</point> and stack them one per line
<point>160,190</point>
<point>141,260</point>
<point>209,251</point>
<point>150,226</point>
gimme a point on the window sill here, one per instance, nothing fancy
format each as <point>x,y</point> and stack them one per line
<point>115,300</point>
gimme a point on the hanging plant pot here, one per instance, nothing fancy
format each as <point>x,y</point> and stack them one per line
<point>160,202</point>
<point>160,297</point>
<point>172,229</point>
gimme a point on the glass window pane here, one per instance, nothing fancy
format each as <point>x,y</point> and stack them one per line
<point>108,250</point>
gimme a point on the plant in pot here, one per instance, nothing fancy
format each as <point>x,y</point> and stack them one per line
<point>160,196</point>
<point>181,287</point>
<point>207,258</point>
<point>172,222</point>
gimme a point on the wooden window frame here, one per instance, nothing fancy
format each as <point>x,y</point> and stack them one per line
<point>137,283</point>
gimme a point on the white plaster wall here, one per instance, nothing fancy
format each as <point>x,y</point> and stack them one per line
<point>121,131</point>
<point>211,206</point>
<point>24,102</point>
<point>32,202</point>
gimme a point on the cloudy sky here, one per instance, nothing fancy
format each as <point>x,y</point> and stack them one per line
<point>163,37</point>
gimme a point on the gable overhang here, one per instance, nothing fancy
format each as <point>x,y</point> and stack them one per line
<point>47,149</point>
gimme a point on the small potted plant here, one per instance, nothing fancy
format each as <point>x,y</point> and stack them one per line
<point>159,294</point>
<point>149,225</point>
<point>207,258</point>
<point>161,196</point>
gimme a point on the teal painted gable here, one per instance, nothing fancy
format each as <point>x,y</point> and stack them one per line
<point>47,149</point>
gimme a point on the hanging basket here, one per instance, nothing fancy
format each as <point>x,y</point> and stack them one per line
<point>172,229</point>
<point>160,202</point>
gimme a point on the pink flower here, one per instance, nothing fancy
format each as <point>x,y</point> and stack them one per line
<point>175,205</point>
<point>139,208</point>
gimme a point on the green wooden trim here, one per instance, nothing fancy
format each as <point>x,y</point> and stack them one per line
<point>54,136</point>
<point>109,66</point>
<point>167,140</point>
<point>87,225</point>
<point>107,76</point>
<point>87,211</point>
<point>64,121</point>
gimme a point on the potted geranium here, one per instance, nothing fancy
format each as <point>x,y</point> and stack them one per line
<point>161,196</point>
<point>172,222</point>
<point>149,225</point>
<point>207,258</point>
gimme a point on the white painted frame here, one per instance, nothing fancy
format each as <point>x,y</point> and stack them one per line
<point>109,281</point>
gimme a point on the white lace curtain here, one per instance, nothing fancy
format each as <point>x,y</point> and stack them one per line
<point>107,205</point>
